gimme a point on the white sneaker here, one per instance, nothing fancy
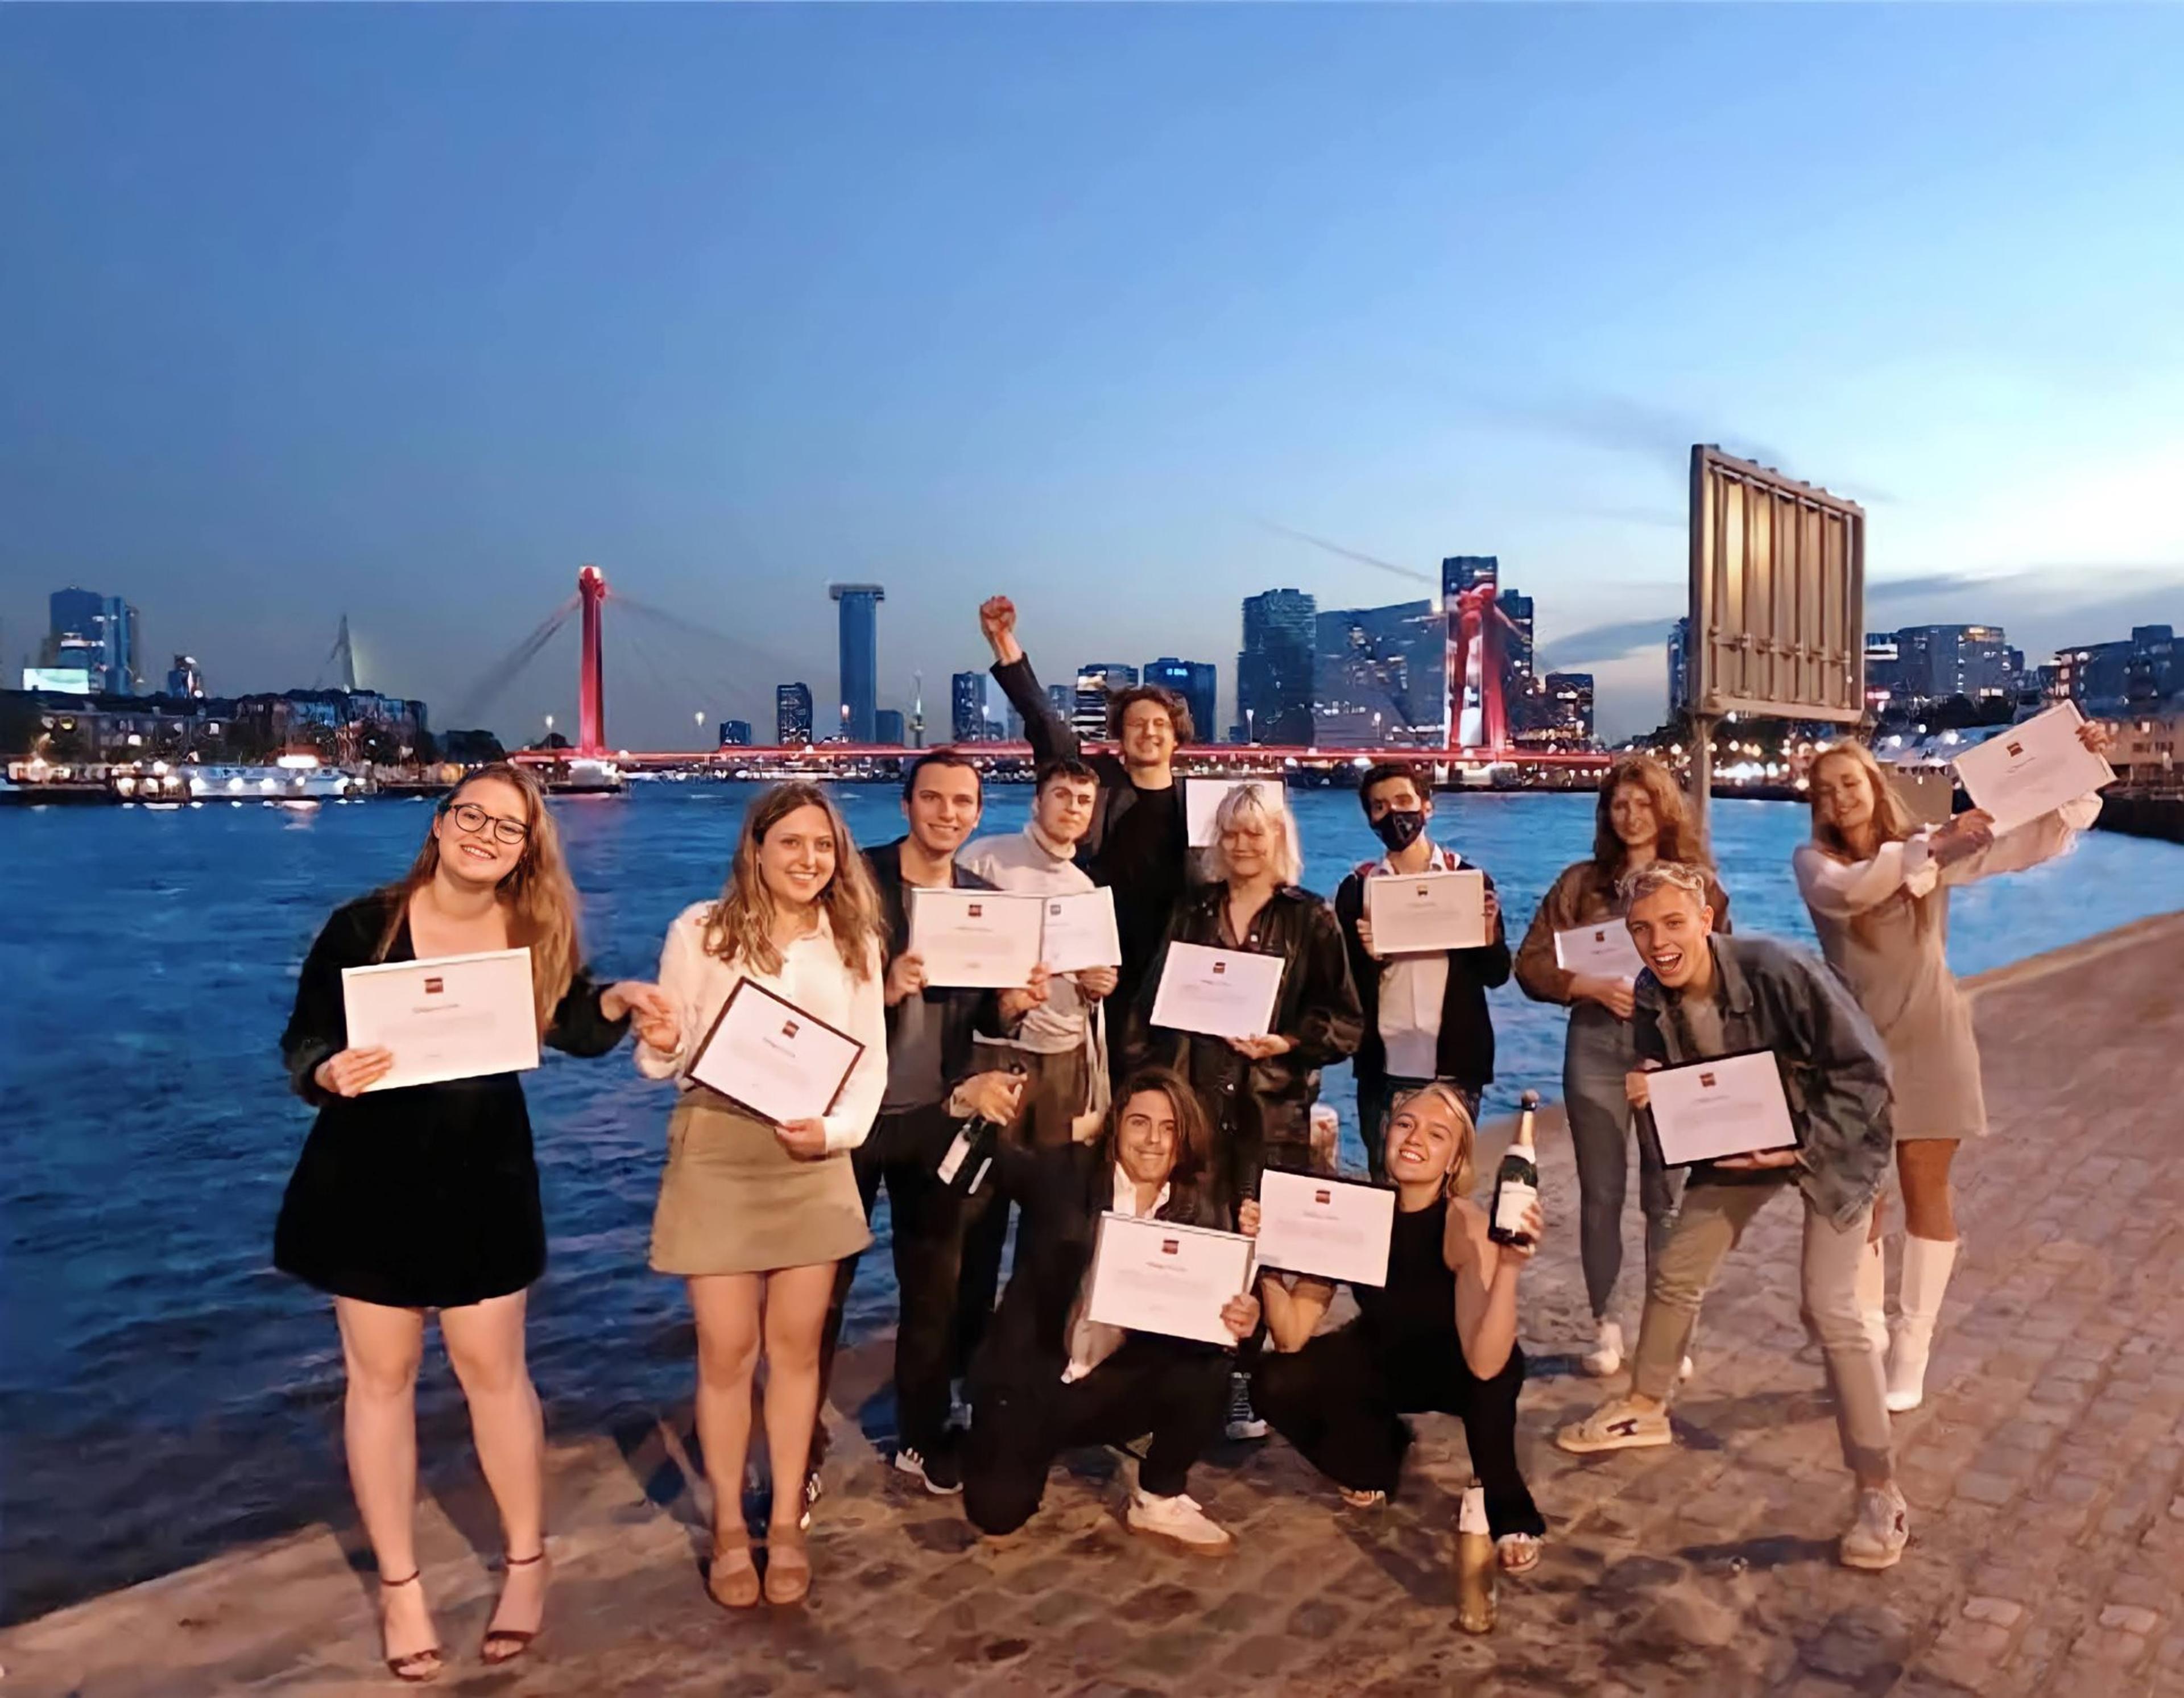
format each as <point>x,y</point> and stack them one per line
<point>1605,1359</point>
<point>1616,1425</point>
<point>1179,1521</point>
<point>1883,1528</point>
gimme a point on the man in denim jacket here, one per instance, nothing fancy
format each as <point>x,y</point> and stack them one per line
<point>1703,996</point>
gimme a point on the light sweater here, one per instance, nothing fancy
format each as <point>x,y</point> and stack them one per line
<point>812,977</point>
<point>1026,862</point>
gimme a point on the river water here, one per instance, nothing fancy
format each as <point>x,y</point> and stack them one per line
<point>163,1394</point>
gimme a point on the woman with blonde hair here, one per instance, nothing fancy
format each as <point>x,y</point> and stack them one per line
<point>1441,1334</point>
<point>1878,888</point>
<point>752,1214</point>
<point>426,1196</point>
<point>1639,819</point>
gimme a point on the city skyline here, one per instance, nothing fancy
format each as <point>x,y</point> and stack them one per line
<point>402,312</point>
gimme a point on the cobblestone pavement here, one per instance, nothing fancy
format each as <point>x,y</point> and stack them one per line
<point>2048,1549</point>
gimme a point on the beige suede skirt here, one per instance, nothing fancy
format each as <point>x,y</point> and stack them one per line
<point>733,1200</point>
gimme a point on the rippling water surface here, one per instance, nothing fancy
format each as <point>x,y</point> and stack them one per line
<point>163,1394</point>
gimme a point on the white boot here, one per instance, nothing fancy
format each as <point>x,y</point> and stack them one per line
<point>1872,1297</point>
<point>1926,1266</point>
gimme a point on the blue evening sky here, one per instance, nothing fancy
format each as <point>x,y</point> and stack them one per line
<point>406,311</point>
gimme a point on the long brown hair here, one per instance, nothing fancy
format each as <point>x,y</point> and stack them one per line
<point>1893,822</point>
<point>1187,1184</point>
<point>740,925</point>
<point>1678,838</point>
<point>539,896</point>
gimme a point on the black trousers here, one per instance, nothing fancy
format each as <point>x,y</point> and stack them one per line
<point>1342,1399</point>
<point>927,1223</point>
<point>1174,1388</point>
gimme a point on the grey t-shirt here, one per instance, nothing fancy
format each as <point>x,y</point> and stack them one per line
<point>914,1080</point>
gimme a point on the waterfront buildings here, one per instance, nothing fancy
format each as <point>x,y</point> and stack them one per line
<point>184,679</point>
<point>1197,683</point>
<point>1679,666</point>
<point>93,635</point>
<point>2131,674</point>
<point>1934,662</point>
<point>735,733</point>
<point>888,728</point>
<point>337,725</point>
<point>1274,668</point>
<point>1561,716</point>
<point>792,714</point>
<point>1097,681</point>
<point>1381,676</point>
<point>859,669</point>
<point>967,703</point>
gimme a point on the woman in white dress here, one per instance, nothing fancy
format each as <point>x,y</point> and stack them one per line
<point>1877,888</point>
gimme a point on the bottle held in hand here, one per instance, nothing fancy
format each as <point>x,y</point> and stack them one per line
<point>1474,1564</point>
<point>1517,1184</point>
<point>969,1155</point>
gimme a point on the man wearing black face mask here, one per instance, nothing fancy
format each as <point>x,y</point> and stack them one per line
<point>1425,1016</point>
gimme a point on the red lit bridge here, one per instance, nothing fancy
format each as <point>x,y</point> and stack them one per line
<point>1477,666</point>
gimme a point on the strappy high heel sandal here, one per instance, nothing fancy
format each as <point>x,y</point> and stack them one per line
<point>505,1644</point>
<point>419,1667</point>
<point>787,1566</point>
<point>731,1581</point>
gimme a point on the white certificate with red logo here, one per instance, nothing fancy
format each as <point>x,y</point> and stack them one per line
<point>453,1017</point>
<point>1332,1227</point>
<point>1217,992</point>
<point>769,1055</point>
<point>982,940</point>
<point>2034,768</point>
<point>1600,952</point>
<point>1156,1276</point>
<point>1733,1105</point>
<point>1425,913</point>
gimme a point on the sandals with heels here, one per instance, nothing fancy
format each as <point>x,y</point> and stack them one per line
<point>788,1566</point>
<point>419,1667</point>
<point>505,1644</point>
<point>732,1582</point>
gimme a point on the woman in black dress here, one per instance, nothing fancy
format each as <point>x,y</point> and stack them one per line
<point>426,1196</point>
<point>1441,1334</point>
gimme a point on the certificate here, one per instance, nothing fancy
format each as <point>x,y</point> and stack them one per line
<point>453,1016</point>
<point>1157,1276</point>
<point>1424,914</point>
<point>1602,952</point>
<point>1332,1227</point>
<point>1202,799</point>
<point>766,1054</point>
<point>1079,932</point>
<point>1218,992</point>
<point>1733,1105</point>
<point>2034,768</point>
<point>983,939</point>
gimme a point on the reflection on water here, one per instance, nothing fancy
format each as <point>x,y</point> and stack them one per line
<point>164,1394</point>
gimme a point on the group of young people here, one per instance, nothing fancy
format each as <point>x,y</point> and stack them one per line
<point>425,1198</point>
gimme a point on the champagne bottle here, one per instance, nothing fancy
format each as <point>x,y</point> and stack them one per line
<point>1474,1564</point>
<point>1517,1185</point>
<point>969,1155</point>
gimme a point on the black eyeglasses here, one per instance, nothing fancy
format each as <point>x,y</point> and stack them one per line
<point>470,817</point>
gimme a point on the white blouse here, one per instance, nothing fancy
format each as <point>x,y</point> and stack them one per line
<point>812,976</point>
<point>1838,889</point>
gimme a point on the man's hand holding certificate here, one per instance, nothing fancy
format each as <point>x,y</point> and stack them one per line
<point>987,940</point>
<point>1426,913</point>
<point>1217,992</point>
<point>766,1054</point>
<point>1151,1276</point>
<point>455,1017</point>
<point>1724,1109</point>
<point>1329,1227</point>
<point>2034,768</point>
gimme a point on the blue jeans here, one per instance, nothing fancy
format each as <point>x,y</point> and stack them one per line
<point>1595,1055</point>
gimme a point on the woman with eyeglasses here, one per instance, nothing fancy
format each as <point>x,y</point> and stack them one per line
<point>426,1196</point>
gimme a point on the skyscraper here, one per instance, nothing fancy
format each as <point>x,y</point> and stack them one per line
<point>1274,668</point>
<point>1679,666</point>
<point>1935,662</point>
<point>792,714</point>
<point>1381,676</point>
<point>1197,683</point>
<point>1562,716</point>
<point>1097,681</point>
<point>860,670</point>
<point>96,634</point>
<point>888,728</point>
<point>966,718</point>
<point>183,677</point>
<point>735,733</point>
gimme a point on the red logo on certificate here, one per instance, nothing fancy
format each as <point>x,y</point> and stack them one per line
<point>1322,1198</point>
<point>1706,1081</point>
<point>1219,968</point>
<point>1171,1247</point>
<point>1421,890</point>
<point>788,1029</point>
<point>434,987</point>
<point>974,909</point>
<point>2015,747</point>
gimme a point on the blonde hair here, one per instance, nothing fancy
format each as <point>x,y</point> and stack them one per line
<point>1248,800</point>
<point>539,896</point>
<point>1656,876</point>
<point>1462,1176</point>
<point>1893,822</point>
<point>740,925</point>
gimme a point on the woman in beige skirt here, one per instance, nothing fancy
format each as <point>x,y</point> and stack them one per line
<point>755,1215</point>
<point>1878,888</point>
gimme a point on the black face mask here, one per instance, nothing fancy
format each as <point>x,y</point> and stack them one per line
<point>1399,828</point>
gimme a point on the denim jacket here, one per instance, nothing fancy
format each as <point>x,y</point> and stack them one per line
<point>1835,1071</point>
